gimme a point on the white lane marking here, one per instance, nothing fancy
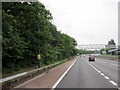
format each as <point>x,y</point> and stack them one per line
<point>96,69</point>
<point>106,77</point>
<point>113,83</point>
<point>103,74</point>
<point>99,71</point>
<point>63,75</point>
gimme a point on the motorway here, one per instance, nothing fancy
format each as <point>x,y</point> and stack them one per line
<point>84,74</point>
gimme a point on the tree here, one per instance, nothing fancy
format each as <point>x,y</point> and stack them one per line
<point>26,30</point>
<point>111,42</point>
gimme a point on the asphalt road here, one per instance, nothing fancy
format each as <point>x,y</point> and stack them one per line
<point>84,74</point>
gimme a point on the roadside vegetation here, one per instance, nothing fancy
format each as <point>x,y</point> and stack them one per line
<point>27,31</point>
<point>84,51</point>
<point>107,48</point>
<point>110,55</point>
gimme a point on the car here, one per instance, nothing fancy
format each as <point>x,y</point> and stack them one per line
<point>91,58</point>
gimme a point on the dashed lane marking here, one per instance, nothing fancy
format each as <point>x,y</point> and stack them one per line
<point>103,74</point>
<point>106,77</point>
<point>96,69</point>
<point>99,71</point>
<point>113,82</point>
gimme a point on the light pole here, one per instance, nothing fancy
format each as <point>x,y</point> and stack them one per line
<point>38,55</point>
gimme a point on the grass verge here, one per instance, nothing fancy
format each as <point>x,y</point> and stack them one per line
<point>29,69</point>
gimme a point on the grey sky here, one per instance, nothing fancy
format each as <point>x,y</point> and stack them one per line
<point>88,21</point>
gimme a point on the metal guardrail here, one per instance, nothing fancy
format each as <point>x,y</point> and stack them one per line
<point>25,73</point>
<point>12,77</point>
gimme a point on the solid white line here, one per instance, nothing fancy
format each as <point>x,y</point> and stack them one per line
<point>113,83</point>
<point>63,75</point>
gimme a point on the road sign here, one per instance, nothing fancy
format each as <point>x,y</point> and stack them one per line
<point>38,56</point>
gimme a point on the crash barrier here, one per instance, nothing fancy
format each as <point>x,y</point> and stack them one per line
<point>30,73</point>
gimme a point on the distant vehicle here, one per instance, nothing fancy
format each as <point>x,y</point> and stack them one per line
<point>91,58</point>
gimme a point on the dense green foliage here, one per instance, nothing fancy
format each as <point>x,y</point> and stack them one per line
<point>27,28</point>
<point>84,51</point>
<point>111,42</point>
<point>106,50</point>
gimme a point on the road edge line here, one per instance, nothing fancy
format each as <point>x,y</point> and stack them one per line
<point>58,81</point>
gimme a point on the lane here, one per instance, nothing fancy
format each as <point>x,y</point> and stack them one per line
<point>108,67</point>
<point>84,75</point>
<point>113,63</point>
<point>108,61</point>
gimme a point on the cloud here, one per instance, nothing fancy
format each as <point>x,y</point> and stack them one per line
<point>88,21</point>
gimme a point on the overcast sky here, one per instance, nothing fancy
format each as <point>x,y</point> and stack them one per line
<point>88,21</point>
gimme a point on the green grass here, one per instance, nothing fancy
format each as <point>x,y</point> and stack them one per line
<point>110,55</point>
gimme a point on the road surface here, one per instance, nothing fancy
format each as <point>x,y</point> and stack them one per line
<point>84,74</point>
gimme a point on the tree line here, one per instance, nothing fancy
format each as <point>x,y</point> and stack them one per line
<point>111,42</point>
<point>26,29</point>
